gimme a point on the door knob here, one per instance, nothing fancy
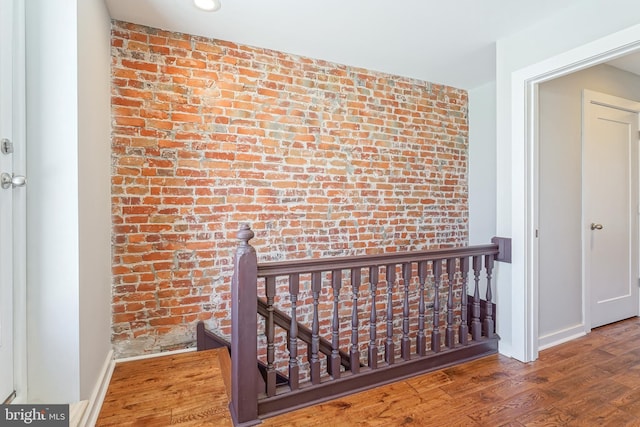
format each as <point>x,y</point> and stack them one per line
<point>12,181</point>
<point>595,226</point>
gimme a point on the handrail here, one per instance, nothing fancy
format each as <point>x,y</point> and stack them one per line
<point>207,340</point>
<point>284,321</point>
<point>281,268</point>
<point>399,343</point>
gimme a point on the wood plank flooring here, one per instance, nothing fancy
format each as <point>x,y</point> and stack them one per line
<point>591,381</point>
<point>187,389</point>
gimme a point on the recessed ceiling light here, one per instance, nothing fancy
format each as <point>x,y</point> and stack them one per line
<point>207,5</point>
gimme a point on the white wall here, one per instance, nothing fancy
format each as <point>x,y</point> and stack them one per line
<point>52,202</point>
<point>573,27</point>
<point>560,189</point>
<point>482,164</point>
<point>94,189</point>
<point>68,219</point>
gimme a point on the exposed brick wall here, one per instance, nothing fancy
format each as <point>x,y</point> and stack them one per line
<point>321,159</point>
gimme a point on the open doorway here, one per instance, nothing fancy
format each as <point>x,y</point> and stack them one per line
<point>564,244</point>
<point>523,142</point>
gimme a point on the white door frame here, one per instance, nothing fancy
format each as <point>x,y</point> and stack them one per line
<point>19,205</point>
<point>524,143</point>
<point>7,384</point>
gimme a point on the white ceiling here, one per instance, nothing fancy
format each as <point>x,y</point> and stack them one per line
<point>442,41</point>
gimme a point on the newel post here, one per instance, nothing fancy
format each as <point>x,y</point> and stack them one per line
<point>244,334</point>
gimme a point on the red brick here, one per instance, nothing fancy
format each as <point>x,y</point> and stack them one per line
<point>320,158</point>
<point>138,65</point>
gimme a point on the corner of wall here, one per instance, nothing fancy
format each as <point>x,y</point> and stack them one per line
<point>482,163</point>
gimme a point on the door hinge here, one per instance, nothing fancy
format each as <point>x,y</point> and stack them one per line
<point>6,146</point>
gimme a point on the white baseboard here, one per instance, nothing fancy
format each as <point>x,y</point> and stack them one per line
<point>76,412</point>
<point>90,416</point>
<point>562,336</point>
<point>153,355</point>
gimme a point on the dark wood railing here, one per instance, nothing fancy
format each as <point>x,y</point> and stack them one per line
<point>445,331</point>
<point>305,334</point>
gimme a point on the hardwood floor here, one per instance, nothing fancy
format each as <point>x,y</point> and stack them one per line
<point>186,389</point>
<point>591,381</point>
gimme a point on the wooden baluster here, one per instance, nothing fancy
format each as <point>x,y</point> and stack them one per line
<point>355,353</point>
<point>435,333</point>
<point>336,282</point>
<point>389,347</point>
<point>294,288</point>
<point>464,327</point>
<point>476,326</point>
<point>405,347</point>
<point>421,341</point>
<point>373,319</point>
<point>270,333</point>
<point>450,336</point>
<point>316,287</point>
<point>488,320</point>
<point>244,334</point>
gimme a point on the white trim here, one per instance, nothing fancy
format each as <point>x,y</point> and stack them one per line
<point>76,412</point>
<point>610,101</point>
<point>531,219</point>
<point>19,205</point>
<point>561,336</point>
<point>585,257</point>
<point>90,416</point>
<point>154,355</point>
<point>523,144</point>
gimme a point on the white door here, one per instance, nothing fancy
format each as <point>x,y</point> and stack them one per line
<point>6,205</point>
<point>610,207</point>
